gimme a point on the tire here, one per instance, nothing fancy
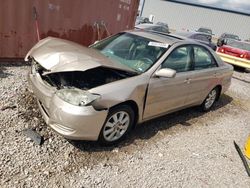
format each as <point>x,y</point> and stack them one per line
<point>210,99</point>
<point>117,125</point>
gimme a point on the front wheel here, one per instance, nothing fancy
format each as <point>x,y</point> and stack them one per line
<point>210,100</point>
<point>118,123</point>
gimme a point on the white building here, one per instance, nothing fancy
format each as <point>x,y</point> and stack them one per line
<point>181,16</point>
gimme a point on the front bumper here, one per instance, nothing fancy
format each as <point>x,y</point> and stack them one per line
<point>235,60</point>
<point>72,122</point>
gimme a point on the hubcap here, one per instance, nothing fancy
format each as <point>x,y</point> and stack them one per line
<point>210,99</point>
<point>116,126</point>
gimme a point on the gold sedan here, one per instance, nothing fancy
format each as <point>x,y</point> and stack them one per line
<point>101,92</point>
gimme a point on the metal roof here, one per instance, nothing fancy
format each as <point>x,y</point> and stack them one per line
<point>81,21</point>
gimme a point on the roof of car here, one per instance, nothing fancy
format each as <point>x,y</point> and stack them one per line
<point>145,25</point>
<point>162,23</point>
<point>205,28</point>
<point>229,34</point>
<point>157,36</point>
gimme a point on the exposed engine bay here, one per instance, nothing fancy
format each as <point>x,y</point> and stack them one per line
<point>84,80</point>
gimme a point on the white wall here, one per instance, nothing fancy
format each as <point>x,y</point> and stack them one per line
<point>181,16</point>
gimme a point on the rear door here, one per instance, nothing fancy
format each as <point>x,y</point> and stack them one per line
<point>204,76</point>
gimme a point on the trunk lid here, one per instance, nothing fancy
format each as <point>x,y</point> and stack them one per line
<point>236,52</point>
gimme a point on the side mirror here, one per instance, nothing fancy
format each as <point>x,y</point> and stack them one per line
<point>166,73</point>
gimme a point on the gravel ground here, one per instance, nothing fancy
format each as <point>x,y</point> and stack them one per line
<point>184,149</point>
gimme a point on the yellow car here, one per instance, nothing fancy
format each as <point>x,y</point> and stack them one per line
<point>235,53</point>
<point>247,148</point>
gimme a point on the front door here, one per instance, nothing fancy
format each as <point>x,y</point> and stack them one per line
<point>168,94</point>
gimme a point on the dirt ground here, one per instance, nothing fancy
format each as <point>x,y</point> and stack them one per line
<point>183,149</point>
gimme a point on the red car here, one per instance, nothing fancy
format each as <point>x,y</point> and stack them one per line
<point>236,53</point>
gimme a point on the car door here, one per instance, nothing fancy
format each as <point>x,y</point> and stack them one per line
<point>168,94</point>
<point>204,76</point>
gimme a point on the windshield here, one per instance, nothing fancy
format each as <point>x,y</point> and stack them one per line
<point>240,45</point>
<point>135,52</point>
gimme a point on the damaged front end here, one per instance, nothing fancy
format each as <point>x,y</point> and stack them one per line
<point>73,86</point>
<point>84,80</point>
<point>62,75</point>
<point>66,103</point>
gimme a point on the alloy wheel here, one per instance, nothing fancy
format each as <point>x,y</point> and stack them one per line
<point>116,126</point>
<point>210,99</point>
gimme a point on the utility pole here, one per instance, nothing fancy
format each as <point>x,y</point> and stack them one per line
<point>142,7</point>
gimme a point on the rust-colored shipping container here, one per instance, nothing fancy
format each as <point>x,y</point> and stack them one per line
<point>82,21</point>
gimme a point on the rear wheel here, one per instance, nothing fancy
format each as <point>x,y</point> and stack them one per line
<point>210,99</point>
<point>118,123</point>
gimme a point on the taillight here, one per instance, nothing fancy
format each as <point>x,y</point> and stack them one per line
<point>246,56</point>
<point>222,50</point>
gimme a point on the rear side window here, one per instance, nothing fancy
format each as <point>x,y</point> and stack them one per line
<point>203,58</point>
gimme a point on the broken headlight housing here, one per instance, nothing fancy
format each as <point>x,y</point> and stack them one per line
<point>77,97</point>
<point>34,66</point>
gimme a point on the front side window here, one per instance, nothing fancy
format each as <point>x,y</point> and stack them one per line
<point>179,59</point>
<point>136,52</point>
<point>203,59</point>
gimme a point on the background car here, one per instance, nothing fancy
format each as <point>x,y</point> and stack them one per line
<point>236,53</point>
<point>203,38</point>
<point>158,27</point>
<point>141,20</point>
<point>164,25</point>
<point>101,92</point>
<point>225,36</point>
<point>205,30</point>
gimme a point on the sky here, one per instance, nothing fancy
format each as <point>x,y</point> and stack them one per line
<point>235,5</point>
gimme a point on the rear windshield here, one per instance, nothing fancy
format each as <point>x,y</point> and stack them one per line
<point>232,37</point>
<point>240,45</point>
<point>205,30</point>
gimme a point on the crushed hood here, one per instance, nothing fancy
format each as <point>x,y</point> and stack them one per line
<point>58,55</point>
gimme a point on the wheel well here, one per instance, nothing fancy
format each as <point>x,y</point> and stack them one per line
<point>134,107</point>
<point>219,90</point>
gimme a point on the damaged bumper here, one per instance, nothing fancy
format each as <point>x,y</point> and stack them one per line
<point>72,122</point>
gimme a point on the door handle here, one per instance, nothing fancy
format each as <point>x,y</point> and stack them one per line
<point>187,80</point>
